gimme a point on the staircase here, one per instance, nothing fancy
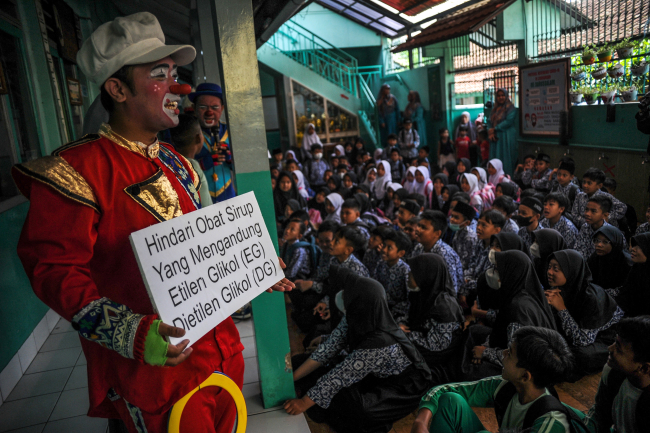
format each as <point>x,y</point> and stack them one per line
<point>329,70</point>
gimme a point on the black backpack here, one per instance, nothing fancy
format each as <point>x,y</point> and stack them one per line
<point>542,406</point>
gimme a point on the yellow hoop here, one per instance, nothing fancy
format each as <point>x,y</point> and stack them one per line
<point>216,379</point>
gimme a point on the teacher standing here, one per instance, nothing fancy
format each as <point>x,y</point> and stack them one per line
<point>501,131</point>
<point>388,113</point>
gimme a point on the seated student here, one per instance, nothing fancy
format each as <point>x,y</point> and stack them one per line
<point>447,193</point>
<point>446,151</point>
<point>278,159</point>
<point>325,241</point>
<point>645,227</point>
<point>496,173</point>
<point>315,168</point>
<point>373,255</point>
<point>563,181</point>
<point>326,176</point>
<point>303,189</point>
<point>609,263</point>
<point>409,140</point>
<point>489,224</point>
<point>585,313</point>
<point>349,180</point>
<point>397,169</point>
<point>592,182</point>
<point>423,184</point>
<point>465,242</point>
<point>318,202</point>
<point>391,142</point>
<point>431,227</point>
<point>514,292</point>
<point>628,223</point>
<point>292,165</point>
<point>423,153</point>
<point>529,164</point>
<point>542,172</point>
<point>623,396</point>
<point>595,217</point>
<point>350,216</point>
<point>535,360</point>
<point>361,158</point>
<point>392,271</point>
<point>334,161</point>
<point>507,188</point>
<point>485,190</point>
<point>634,295</point>
<point>383,180</point>
<point>530,212</point>
<point>507,206</point>
<point>378,381</point>
<point>343,160</point>
<point>371,176</point>
<point>419,199</point>
<point>463,166</point>
<point>411,231</point>
<point>464,197</point>
<point>545,243</point>
<point>433,320</point>
<point>387,206</point>
<point>399,195</point>
<point>341,169</point>
<point>333,204</point>
<point>409,181</point>
<point>407,210</point>
<point>435,199</point>
<point>422,162</point>
<point>309,234</point>
<point>555,204</point>
<point>334,183</point>
<point>469,184</point>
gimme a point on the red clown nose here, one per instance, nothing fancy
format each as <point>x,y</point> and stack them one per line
<point>180,89</point>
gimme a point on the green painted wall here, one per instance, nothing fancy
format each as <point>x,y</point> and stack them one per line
<point>20,309</point>
<point>366,56</point>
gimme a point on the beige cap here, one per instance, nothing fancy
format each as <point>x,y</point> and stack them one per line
<point>131,40</point>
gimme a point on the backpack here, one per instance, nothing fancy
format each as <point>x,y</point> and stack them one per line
<point>314,251</point>
<point>641,415</point>
<point>542,406</point>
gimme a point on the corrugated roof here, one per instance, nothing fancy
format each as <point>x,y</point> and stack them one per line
<point>412,7</point>
<point>459,23</point>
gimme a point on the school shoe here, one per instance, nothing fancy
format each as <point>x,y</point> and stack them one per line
<point>243,313</point>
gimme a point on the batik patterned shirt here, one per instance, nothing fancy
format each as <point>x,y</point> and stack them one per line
<point>465,243</point>
<point>584,337</point>
<point>584,243</point>
<point>495,354</point>
<point>526,236</point>
<point>510,226</point>
<point>351,263</point>
<point>383,362</point>
<point>436,336</point>
<point>477,267</point>
<point>372,259</point>
<point>364,231</point>
<point>299,262</point>
<point>541,182</point>
<point>395,279</point>
<point>643,228</point>
<point>565,227</point>
<point>315,172</point>
<point>323,271</point>
<point>454,266</point>
<point>616,213</point>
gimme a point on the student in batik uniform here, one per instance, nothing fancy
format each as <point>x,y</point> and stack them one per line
<point>507,206</point>
<point>465,241</point>
<point>373,255</point>
<point>489,224</point>
<point>378,381</point>
<point>351,217</point>
<point>555,204</point>
<point>542,173</point>
<point>297,258</point>
<point>393,272</point>
<point>595,217</point>
<point>592,182</point>
<point>530,212</point>
<point>645,227</point>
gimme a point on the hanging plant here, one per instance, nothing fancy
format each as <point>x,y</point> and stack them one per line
<point>609,95</point>
<point>599,73</point>
<point>604,53</point>
<point>625,48</point>
<point>591,95</point>
<point>639,67</point>
<point>616,71</point>
<point>576,95</point>
<point>588,55</point>
<point>579,75</point>
<point>628,93</point>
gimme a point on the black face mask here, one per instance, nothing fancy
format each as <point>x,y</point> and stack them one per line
<point>522,221</point>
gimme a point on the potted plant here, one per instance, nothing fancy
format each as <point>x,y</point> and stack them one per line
<point>576,95</point>
<point>639,67</point>
<point>588,55</point>
<point>599,73</point>
<point>579,75</point>
<point>616,71</point>
<point>590,94</point>
<point>624,48</point>
<point>628,93</point>
<point>604,53</point>
<point>608,95</point>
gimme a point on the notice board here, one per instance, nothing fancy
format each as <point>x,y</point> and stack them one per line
<point>543,96</point>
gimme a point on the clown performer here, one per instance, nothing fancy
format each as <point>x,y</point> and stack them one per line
<point>215,156</point>
<point>86,199</point>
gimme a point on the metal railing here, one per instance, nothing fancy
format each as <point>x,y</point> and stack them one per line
<point>368,114</point>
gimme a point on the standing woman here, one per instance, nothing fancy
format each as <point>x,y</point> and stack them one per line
<point>379,380</point>
<point>388,113</point>
<point>501,131</point>
<point>415,112</point>
<point>585,313</point>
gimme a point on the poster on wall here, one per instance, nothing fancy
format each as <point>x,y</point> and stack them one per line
<point>543,96</point>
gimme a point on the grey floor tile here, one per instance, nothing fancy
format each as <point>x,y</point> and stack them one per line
<point>245,328</point>
<point>82,359</point>
<point>27,411</point>
<point>253,397</point>
<point>78,378</point>
<point>71,403</point>
<point>47,382</point>
<point>63,326</point>
<point>53,360</point>
<point>31,429</point>
<point>277,421</point>
<point>78,424</point>
<point>65,340</point>
<point>251,389</point>
<point>251,371</point>
<point>250,350</point>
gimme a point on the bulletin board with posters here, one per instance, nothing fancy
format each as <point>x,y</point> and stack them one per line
<point>543,96</point>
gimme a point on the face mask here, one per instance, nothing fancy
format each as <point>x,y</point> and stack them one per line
<point>338,300</point>
<point>318,155</point>
<point>522,221</point>
<point>413,289</point>
<point>534,251</point>
<point>492,257</point>
<point>492,278</point>
<point>454,227</point>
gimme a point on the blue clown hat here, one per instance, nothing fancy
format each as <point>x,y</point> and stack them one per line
<point>207,89</point>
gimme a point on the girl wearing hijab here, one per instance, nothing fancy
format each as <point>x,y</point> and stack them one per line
<point>507,188</point>
<point>449,169</point>
<point>447,193</point>
<point>585,313</point>
<point>486,191</point>
<point>469,184</point>
<point>318,202</point>
<point>381,378</point>
<point>310,138</point>
<point>333,204</point>
<point>545,243</point>
<point>371,178</point>
<point>299,178</point>
<point>609,264</point>
<point>349,180</point>
<point>463,166</point>
<point>514,291</point>
<point>388,205</point>
<point>495,170</point>
<point>334,182</point>
<point>423,184</point>
<point>501,130</point>
<point>435,199</point>
<point>339,150</point>
<point>383,180</point>
<point>409,179</point>
<point>388,113</point>
<point>290,155</point>
<point>285,190</point>
<point>634,295</point>
<point>466,123</point>
<point>434,322</point>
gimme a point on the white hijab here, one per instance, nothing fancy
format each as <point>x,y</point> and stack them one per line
<point>395,186</point>
<point>410,186</point>
<point>472,180</point>
<point>367,182</point>
<point>379,188</point>
<point>496,177</point>
<point>337,202</point>
<point>421,188</point>
<point>309,139</point>
<point>340,149</point>
<point>482,178</point>
<point>300,184</point>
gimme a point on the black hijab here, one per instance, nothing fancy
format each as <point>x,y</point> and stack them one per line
<point>610,270</point>
<point>509,189</point>
<point>520,299</point>
<point>634,298</point>
<point>549,241</point>
<point>281,198</point>
<point>509,242</point>
<point>370,324</point>
<point>364,202</point>
<point>337,181</point>
<point>352,176</point>
<point>313,204</point>
<point>589,305</point>
<point>437,297</point>
<point>434,199</point>
<point>453,189</point>
<point>468,167</point>
<point>450,166</point>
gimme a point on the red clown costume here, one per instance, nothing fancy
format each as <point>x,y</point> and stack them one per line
<point>86,199</point>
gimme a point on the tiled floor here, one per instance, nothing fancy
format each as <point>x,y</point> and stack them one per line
<point>52,395</point>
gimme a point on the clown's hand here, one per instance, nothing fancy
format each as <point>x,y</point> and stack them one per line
<point>284,285</point>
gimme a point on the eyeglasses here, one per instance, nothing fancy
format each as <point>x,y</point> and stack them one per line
<point>602,242</point>
<point>212,107</point>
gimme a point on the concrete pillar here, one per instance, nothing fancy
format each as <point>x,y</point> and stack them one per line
<point>208,64</point>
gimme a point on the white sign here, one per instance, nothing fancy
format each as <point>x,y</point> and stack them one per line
<point>201,267</point>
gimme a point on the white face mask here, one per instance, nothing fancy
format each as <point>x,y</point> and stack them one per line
<point>318,155</point>
<point>492,277</point>
<point>492,257</point>
<point>413,289</point>
<point>338,300</point>
<point>534,251</point>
